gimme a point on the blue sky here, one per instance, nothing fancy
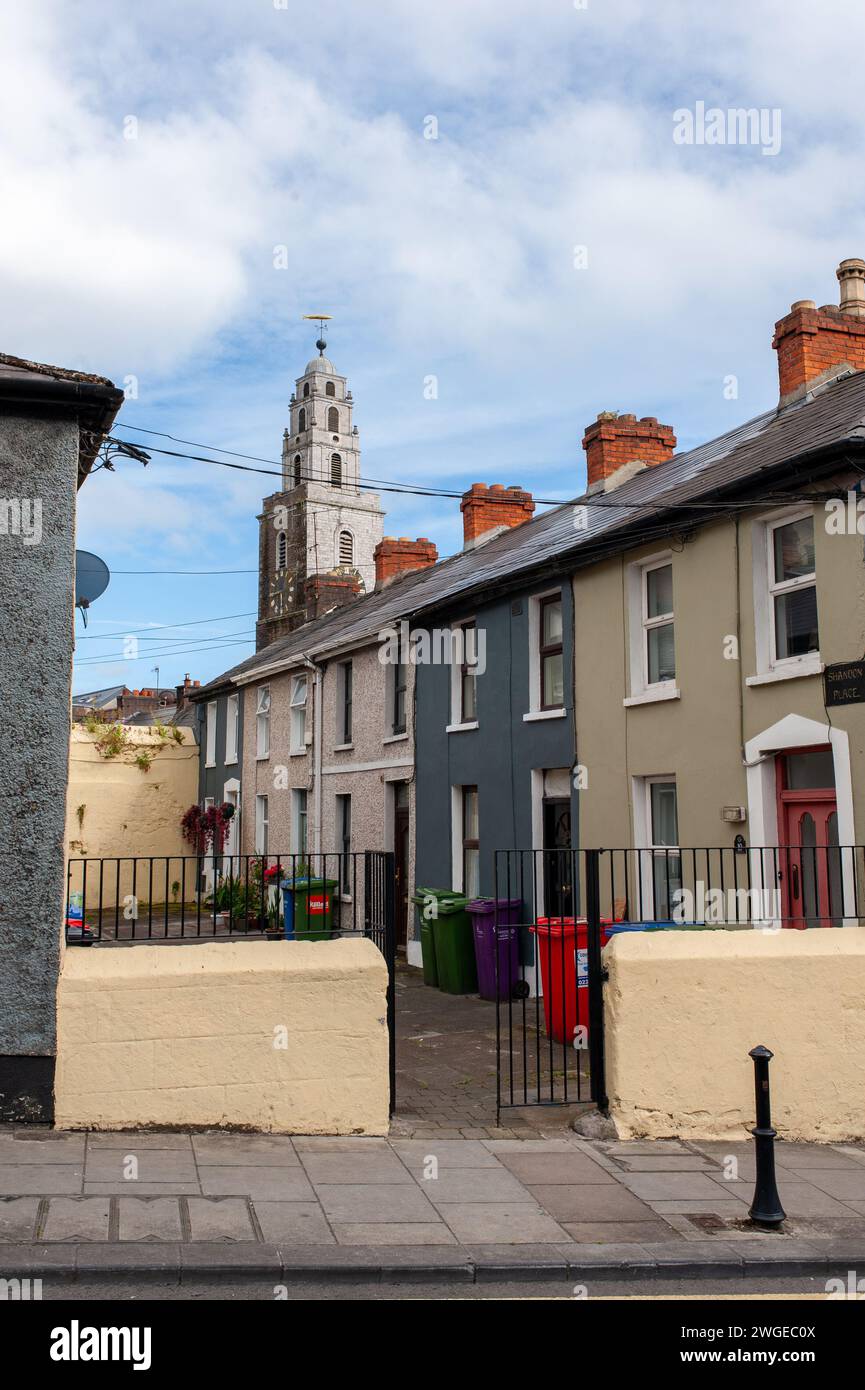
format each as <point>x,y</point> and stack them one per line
<point>260,125</point>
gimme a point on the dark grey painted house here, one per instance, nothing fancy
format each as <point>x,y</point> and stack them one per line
<point>494,748</point>
<point>51,424</point>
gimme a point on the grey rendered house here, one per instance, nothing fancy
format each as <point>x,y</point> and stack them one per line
<point>52,423</point>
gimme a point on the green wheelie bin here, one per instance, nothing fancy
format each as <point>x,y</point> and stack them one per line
<point>452,938</point>
<point>313,907</point>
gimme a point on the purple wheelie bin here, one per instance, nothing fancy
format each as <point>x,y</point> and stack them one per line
<point>483,915</point>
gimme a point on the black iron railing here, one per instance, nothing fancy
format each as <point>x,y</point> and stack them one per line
<point>180,897</point>
<point>558,908</point>
<point>177,898</point>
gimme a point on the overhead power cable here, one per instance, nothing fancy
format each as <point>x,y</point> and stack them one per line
<point>162,627</point>
<point>601,501</point>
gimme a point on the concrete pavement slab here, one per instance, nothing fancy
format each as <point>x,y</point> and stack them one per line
<point>149,1218</point>
<point>76,1219</point>
<point>289,1184</point>
<point>502,1223</point>
<point>295,1223</point>
<point>450,1153</point>
<point>590,1202</point>
<point>40,1179</point>
<point>143,1139</point>
<point>374,1202</point>
<point>219,1219</point>
<point>360,1233</point>
<point>245,1150</point>
<point>570,1168</point>
<point>378,1166</point>
<point>18,1218</point>
<point>473,1185</point>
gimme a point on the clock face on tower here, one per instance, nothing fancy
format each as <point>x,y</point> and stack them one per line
<point>281,593</point>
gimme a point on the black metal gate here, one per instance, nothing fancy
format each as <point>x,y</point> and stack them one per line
<point>556,908</point>
<point>549,978</point>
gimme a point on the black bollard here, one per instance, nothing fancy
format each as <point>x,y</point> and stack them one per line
<point>766,1207</point>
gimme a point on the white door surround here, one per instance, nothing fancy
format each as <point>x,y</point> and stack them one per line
<point>795,731</point>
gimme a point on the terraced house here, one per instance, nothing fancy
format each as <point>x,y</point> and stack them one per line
<point>669,664</point>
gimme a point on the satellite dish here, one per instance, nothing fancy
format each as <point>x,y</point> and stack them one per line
<point>91,580</point>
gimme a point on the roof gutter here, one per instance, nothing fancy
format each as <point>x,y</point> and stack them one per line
<point>93,404</point>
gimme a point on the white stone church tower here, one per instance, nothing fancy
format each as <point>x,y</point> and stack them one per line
<point>318,535</point>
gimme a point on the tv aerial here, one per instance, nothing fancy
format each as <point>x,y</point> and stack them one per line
<point>91,580</point>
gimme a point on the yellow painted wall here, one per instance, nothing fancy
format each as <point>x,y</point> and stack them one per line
<point>683,1009</point>
<point>184,1035</point>
<point>127,811</point>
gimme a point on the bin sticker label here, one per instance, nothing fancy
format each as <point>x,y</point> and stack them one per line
<point>582,969</point>
<point>318,905</point>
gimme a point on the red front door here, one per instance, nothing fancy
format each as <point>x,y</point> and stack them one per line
<point>809,859</point>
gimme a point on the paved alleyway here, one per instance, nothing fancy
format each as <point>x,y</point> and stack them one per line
<point>446,1069</point>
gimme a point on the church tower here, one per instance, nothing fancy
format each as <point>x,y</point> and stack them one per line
<point>317,536</point>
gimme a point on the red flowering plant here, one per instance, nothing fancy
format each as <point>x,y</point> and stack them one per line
<point>207,829</point>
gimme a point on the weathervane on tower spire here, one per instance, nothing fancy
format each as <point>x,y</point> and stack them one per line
<point>321,320</point>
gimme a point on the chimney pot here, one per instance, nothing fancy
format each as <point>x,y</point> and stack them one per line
<point>851,278</point>
<point>393,557</point>
<point>487,509</point>
<point>614,441</point>
<point>815,346</point>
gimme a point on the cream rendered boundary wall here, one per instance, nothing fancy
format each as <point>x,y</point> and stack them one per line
<point>130,812</point>
<point>683,1010</point>
<point>699,737</point>
<point>187,1036</point>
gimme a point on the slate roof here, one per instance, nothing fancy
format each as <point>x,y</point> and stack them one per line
<point>752,454</point>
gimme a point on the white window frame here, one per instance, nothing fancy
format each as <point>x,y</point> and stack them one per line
<point>262,822</point>
<point>210,735</point>
<point>262,722</point>
<point>771,667</point>
<point>232,724</point>
<point>297,713</point>
<point>534,711</point>
<point>296,846</point>
<point>457,724</point>
<point>642,691</point>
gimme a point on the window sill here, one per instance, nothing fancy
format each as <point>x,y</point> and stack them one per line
<point>535,714</point>
<point>210,765</point>
<point>653,697</point>
<point>228,762</point>
<point>297,752</point>
<point>262,757</point>
<point>342,747</point>
<point>395,738</point>
<point>787,673</point>
<point>461,728</point>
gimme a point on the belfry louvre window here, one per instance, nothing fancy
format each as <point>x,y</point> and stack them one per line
<point>333,420</point>
<point>281,551</point>
<point>346,548</point>
<point>297,470</point>
<point>301,420</point>
<point>335,470</point>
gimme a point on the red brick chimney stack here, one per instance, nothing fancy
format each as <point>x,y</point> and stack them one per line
<point>393,557</point>
<point>488,509</point>
<point>614,440</point>
<point>814,345</point>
